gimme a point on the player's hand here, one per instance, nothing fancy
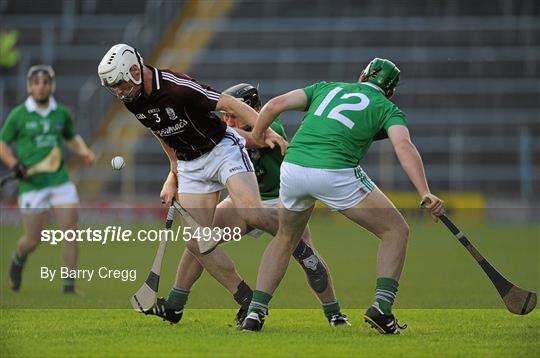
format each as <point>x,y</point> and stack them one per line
<point>168,192</point>
<point>271,139</point>
<point>19,170</point>
<point>434,204</point>
<point>88,157</point>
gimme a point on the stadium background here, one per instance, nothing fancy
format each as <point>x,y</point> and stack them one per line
<point>470,88</point>
<point>469,84</point>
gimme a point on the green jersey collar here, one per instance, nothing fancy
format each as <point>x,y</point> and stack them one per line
<point>31,106</point>
<point>374,86</point>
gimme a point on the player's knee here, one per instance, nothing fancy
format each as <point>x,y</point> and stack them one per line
<point>289,238</point>
<point>30,243</point>
<point>257,219</point>
<point>31,237</point>
<point>397,230</point>
<point>193,248</point>
<point>402,232</point>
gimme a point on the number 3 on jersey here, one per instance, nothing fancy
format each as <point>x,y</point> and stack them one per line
<point>335,113</point>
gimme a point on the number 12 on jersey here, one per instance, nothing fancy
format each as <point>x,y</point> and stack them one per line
<point>335,112</point>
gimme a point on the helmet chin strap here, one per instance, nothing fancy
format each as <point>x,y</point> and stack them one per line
<point>142,71</point>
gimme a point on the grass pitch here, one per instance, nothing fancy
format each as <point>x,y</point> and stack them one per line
<point>450,306</point>
<point>288,332</point>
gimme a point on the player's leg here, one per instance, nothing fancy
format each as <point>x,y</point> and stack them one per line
<point>67,219</point>
<point>244,192</point>
<point>65,202</point>
<point>33,206</point>
<point>305,254</point>
<point>189,271</point>
<point>226,215</point>
<point>201,207</point>
<point>33,223</point>
<point>319,278</point>
<point>274,264</point>
<point>245,196</point>
<point>377,214</point>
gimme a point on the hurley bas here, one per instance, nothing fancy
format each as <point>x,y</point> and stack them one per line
<point>88,274</point>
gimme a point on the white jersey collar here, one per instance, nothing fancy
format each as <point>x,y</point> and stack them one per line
<point>31,106</point>
<point>373,85</point>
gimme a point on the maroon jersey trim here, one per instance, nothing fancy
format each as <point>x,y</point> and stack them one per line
<point>193,85</point>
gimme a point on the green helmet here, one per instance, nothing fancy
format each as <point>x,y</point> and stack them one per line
<point>382,73</point>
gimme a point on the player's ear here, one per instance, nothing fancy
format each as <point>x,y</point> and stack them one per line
<point>362,77</point>
<point>135,72</point>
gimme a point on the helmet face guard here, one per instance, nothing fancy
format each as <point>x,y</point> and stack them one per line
<point>127,97</point>
<point>382,73</point>
<point>42,71</point>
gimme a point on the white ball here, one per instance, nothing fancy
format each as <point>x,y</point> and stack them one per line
<point>118,162</point>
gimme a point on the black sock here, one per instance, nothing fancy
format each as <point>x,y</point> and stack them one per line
<point>18,260</point>
<point>243,294</point>
<point>69,285</point>
<point>302,251</point>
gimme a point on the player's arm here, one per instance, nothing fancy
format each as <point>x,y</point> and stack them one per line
<point>239,109</point>
<point>74,141</point>
<point>411,162</point>
<point>292,101</point>
<point>248,116</point>
<point>170,186</point>
<point>10,160</point>
<point>8,134</point>
<point>250,143</point>
<point>6,155</point>
<point>78,146</point>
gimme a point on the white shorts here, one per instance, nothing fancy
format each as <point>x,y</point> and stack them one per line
<point>209,172</point>
<point>35,202</point>
<point>338,189</point>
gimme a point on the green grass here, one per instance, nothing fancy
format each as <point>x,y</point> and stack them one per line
<point>449,304</point>
<point>288,332</point>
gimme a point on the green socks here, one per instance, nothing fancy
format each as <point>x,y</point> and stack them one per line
<point>331,308</point>
<point>178,297</point>
<point>259,303</point>
<point>385,293</point>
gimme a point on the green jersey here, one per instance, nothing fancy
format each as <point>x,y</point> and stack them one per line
<point>341,122</point>
<point>35,133</point>
<point>267,162</point>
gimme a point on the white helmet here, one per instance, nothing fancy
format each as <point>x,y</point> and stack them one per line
<point>114,66</point>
